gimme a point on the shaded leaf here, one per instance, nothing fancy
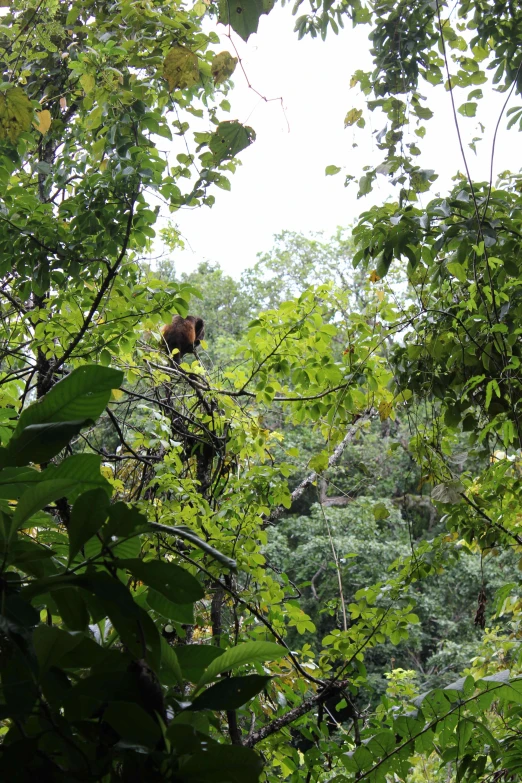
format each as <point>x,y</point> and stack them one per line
<point>221,764</point>
<point>194,659</point>
<point>177,613</point>
<point>172,581</point>
<point>40,442</point>
<point>230,693</point>
<point>88,514</point>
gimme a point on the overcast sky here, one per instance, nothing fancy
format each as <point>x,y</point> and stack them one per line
<point>282,184</point>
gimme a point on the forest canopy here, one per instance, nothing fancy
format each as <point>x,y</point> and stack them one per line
<point>293,554</point>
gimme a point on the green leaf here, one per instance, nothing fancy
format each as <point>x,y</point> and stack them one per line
<point>40,442</point>
<point>72,608</point>
<point>230,138</point>
<point>457,270</point>
<point>468,109</point>
<point>88,514</point>
<point>132,723</point>
<point>194,659</point>
<point>243,15</point>
<point>230,693</point>
<point>97,583</point>
<point>82,395</point>
<point>330,171</point>
<point>169,661</point>
<point>15,481</point>
<point>221,764</point>
<point>51,643</point>
<point>176,613</point>
<point>380,511</point>
<point>74,475</point>
<point>175,583</point>
<point>248,652</point>
<point>39,496</point>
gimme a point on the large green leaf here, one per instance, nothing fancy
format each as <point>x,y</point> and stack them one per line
<point>132,723</point>
<point>87,516</point>
<point>169,661</point>
<point>51,643</point>
<point>194,659</point>
<point>15,481</point>
<point>230,693</point>
<point>40,442</point>
<point>72,608</point>
<point>98,583</point>
<point>230,138</point>
<point>82,395</point>
<point>243,15</point>
<point>170,580</point>
<point>248,652</point>
<point>222,764</point>
<point>74,475</point>
<point>176,613</point>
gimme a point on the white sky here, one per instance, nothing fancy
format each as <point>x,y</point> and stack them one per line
<point>282,184</point>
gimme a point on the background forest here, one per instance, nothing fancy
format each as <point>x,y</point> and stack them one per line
<point>294,555</point>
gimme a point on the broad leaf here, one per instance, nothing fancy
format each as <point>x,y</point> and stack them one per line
<point>180,68</point>
<point>194,659</point>
<point>170,580</point>
<point>229,139</point>
<point>248,652</point>
<point>222,764</point>
<point>40,442</point>
<point>243,15</point>
<point>88,514</point>
<point>82,395</point>
<point>230,693</point>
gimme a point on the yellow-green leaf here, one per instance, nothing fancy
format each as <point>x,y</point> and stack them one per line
<point>352,117</point>
<point>180,68</point>
<point>87,82</point>
<point>223,66</point>
<point>16,113</point>
<point>43,121</point>
<point>331,170</point>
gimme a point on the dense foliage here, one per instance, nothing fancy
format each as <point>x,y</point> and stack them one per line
<point>294,556</point>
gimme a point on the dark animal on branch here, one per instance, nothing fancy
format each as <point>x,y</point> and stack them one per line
<point>183,334</point>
